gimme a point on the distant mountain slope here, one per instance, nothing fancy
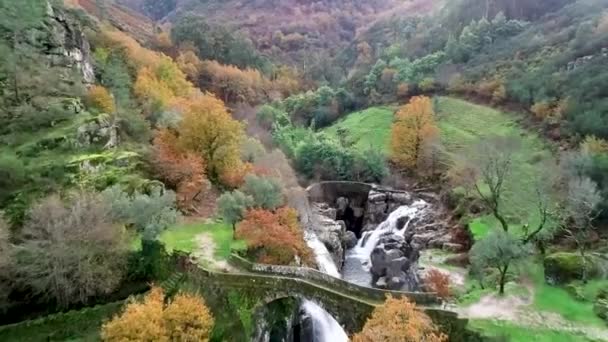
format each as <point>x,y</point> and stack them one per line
<point>306,34</point>
<point>135,24</point>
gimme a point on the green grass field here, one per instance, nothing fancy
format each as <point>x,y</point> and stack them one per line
<point>514,333</point>
<point>463,124</point>
<point>369,128</point>
<point>183,237</point>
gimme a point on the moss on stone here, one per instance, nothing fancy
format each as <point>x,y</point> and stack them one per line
<point>563,267</point>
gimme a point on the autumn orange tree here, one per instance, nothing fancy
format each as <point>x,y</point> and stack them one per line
<point>414,127</point>
<point>183,171</point>
<point>274,237</point>
<point>398,320</point>
<point>185,318</point>
<point>208,129</point>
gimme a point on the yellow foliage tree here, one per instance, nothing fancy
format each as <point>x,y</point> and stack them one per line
<point>139,322</point>
<point>398,320</point>
<point>208,129</point>
<point>151,91</point>
<point>189,63</point>
<point>186,318</point>
<point>159,78</point>
<point>100,98</point>
<point>414,127</point>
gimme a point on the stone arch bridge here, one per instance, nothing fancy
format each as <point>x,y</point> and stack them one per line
<point>350,304</point>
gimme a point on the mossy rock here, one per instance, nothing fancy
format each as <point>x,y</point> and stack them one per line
<point>564,267</point>
<point>576,292</point>
<point>600,308</point>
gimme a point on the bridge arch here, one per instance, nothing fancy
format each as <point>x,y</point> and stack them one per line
<point>278,315</point>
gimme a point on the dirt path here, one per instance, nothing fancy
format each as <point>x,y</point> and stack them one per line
<point>519,310</point>
<point>205,253</point>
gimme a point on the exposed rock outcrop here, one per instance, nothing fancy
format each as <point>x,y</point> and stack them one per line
<point>329,231</point>
<point>394,264</point>
<point>65,44</point>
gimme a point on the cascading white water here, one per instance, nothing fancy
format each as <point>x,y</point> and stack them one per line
<point>369,240</point>
<point>322,256</point>
<point>357,261</point>
<point>325,327</point>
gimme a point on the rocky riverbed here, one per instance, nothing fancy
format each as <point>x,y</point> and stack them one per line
<point>375,234</point>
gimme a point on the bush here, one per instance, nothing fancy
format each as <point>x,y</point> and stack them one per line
<point>438,282</point>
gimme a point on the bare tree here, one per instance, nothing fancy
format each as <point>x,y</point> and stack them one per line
<point>71,251</point>
<point>543,184</point>
<point>485,169</point>
<point>580,206</point>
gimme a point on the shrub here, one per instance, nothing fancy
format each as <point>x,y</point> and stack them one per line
<point>274,238</point>
<point>438,282</point>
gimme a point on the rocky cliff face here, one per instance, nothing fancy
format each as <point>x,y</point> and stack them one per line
<point>64,44</point>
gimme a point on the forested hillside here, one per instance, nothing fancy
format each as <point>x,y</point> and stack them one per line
<point>452,150</point>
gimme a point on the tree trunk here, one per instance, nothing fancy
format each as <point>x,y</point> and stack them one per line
<point>233,230</point>
<point>503,278</point>
<point>541,247</point>
<point>584,270</point>
<point>503,222</point>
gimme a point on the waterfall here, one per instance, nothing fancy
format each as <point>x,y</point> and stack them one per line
<point>370,239</point>
<point>357,262</point>
<point>324,327</point>
<point>322,256</point>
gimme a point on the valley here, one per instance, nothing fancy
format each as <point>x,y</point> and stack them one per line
<point>323,171</point>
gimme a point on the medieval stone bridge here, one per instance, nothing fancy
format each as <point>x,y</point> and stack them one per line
<point>350,304</point>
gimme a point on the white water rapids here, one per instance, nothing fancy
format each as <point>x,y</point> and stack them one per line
<point>325,327</point>
<point>322,256</point>
<point>357,261</point>
<point>356,268</point>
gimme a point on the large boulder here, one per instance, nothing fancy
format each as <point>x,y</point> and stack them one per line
<point>600,306</point>
<point>563,267</point>
<point>393,264</point>
<point>349,239</point>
